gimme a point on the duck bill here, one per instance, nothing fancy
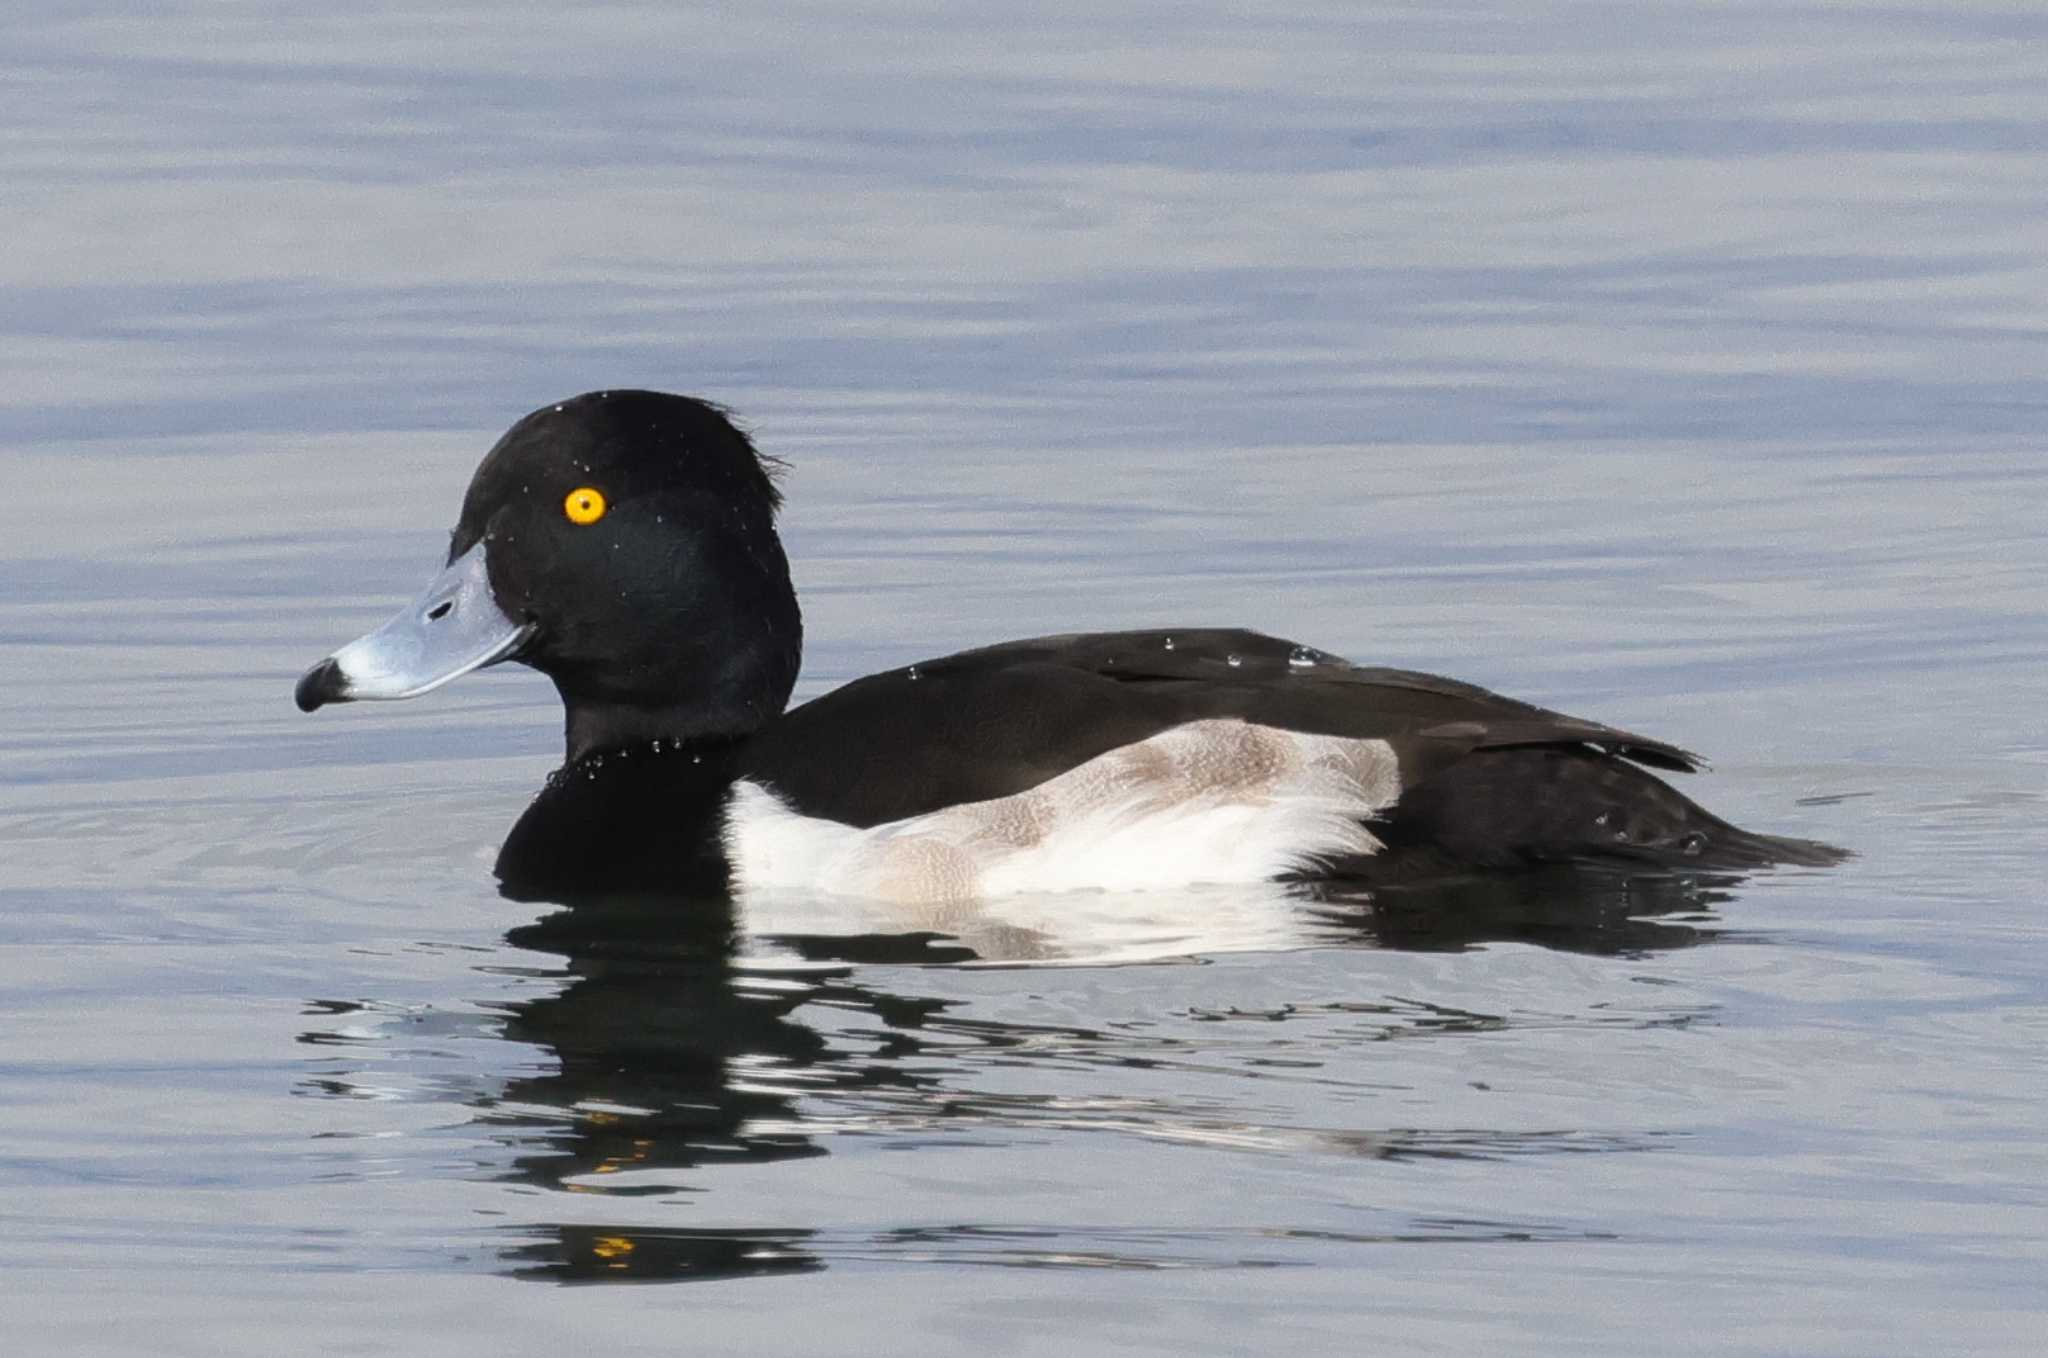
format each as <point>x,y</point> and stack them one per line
<point>453,627</point>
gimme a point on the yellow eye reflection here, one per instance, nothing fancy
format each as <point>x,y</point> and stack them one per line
<point>584,505</point>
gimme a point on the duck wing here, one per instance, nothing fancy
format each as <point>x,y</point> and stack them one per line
<point>999,720</point>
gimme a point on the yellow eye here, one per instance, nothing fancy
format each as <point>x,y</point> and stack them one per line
<point>584,505</point>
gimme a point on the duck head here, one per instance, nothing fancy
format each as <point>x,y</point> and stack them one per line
<point>623,543</point>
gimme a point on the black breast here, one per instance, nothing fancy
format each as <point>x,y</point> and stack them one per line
<point>647,818</point>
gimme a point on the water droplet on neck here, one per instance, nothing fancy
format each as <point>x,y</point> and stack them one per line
<point>1169,643</point>
<point>1603,818</point>
<point>1302,657</point>
<point>913,674</point>
<point>1233,660</point>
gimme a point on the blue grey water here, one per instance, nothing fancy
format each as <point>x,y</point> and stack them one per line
<point>1678,366</point>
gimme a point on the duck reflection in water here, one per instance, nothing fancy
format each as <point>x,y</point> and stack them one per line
<point>680,1040</point>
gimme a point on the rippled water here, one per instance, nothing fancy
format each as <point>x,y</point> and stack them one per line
<point>1678,367</point>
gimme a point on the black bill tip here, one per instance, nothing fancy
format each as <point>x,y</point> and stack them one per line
<point>320,685</point>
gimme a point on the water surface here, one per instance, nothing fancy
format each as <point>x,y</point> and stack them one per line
<point>1679,368</point>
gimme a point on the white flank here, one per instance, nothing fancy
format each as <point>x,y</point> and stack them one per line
<point>1207,802</point>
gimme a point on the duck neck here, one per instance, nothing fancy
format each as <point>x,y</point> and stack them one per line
<point>636,818</point>
<point>721,693</point>
<point>596,728</point>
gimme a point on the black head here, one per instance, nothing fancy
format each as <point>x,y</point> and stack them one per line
<point>623,543</point>
<point>636,531</point>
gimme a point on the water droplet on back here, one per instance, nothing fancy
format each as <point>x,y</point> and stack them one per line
<point>1169,643</point>
<point>913,674</point>
<point>1301,657</point>
<point>1233,660</point>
